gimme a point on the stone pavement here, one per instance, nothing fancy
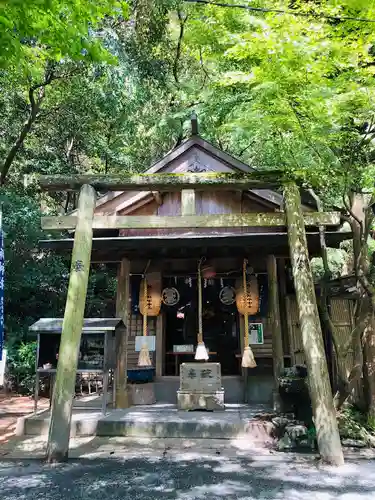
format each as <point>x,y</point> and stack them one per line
<point>194,474</point>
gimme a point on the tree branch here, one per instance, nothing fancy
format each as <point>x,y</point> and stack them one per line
<point>182,21</point>
<point>303,130</point>
<point>245,149</point>
<point>206,74</point>
<point>281,11</point>
<point>350,211</point>
<point>35,105</point>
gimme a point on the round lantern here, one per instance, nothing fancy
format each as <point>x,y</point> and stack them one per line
<point>248,303</point>
<point>150,307</point>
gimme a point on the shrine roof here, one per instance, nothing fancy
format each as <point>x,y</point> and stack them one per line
<point>90,325</point>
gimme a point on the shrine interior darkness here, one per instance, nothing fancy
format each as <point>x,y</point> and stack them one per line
<point>220,319</point>
<point>220,325</point>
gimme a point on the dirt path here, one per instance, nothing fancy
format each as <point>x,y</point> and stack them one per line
<point>11,408</point>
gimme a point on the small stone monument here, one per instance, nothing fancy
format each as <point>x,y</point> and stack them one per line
<point>200,387</point>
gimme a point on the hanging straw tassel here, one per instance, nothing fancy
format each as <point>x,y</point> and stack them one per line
<point>144,355</point>
<point>201,352</point>
<point>248,360</point>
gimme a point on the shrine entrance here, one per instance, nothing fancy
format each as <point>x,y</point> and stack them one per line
<point>220,326</point>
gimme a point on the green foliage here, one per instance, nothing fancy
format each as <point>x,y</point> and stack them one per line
<point>53,30</point>
<point>21,367</point>
<point>338,261</point>
<point>288,92</point>
<point>34,280</point>
<point>353,424</point>
<point>36,284</point>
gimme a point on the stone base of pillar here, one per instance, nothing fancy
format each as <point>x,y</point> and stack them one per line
<point>142,394</point>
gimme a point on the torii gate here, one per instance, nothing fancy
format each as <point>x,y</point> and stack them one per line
<point>293,218</point>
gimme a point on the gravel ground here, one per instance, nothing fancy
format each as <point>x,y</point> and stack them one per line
<point>186,476</point>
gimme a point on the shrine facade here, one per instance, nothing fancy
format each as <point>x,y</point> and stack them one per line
<point>168,257</point>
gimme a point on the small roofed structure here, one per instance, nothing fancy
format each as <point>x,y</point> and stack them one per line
<point>96,351</point>
<point>90,325</point>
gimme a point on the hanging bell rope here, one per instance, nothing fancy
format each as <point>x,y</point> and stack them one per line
<point>248,360</point>
<point>201,352</point>
<point>144,354</point>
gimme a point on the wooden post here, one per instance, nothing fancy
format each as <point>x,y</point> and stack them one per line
<point>319,386</point>
<point>159,355</point>
<point>282,304</point>
<point>277,341</point>
<point>63,395</point>
<point>244,371</point>
<point>122,311</point>
<point>188,202</point>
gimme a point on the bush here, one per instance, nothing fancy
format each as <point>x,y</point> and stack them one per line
<point>21,367</point>
<point>353,424</point>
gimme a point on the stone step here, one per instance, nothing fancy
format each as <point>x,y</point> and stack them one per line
<point>157,422</point>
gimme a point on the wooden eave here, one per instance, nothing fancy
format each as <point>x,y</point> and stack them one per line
<point>113,249</point>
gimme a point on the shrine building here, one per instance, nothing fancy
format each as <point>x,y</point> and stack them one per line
<point>169,258</point>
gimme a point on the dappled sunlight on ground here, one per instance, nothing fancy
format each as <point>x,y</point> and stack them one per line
<point>189,475</point>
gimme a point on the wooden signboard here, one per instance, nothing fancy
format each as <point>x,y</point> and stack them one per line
<point>256,336</point>
<point>183,348</point>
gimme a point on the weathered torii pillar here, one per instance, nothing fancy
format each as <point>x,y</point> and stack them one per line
<point>63,394</point>
<point>318,378</point>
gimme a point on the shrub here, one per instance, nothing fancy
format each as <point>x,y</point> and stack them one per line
<point>21,367</point>
<point>353,425</point>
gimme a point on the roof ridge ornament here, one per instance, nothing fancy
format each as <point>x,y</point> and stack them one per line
<point>194,124</point>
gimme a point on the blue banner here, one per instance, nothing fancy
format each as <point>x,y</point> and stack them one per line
<point>2,270</point>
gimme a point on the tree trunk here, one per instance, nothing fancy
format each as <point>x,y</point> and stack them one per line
<point>369,366</point>
<point>319,385</point>
<point>26,127</point>
<point>63,395</point>
<point>362,218</point>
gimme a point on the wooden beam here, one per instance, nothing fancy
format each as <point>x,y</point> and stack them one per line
<point>190,221</point>
<point>187,202</point>
<point>318,379</point>
<point>158,197</point>
<point>63,394</point>
<point>275,322</point>
<point>162,182</point>
<point>122,311</point>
